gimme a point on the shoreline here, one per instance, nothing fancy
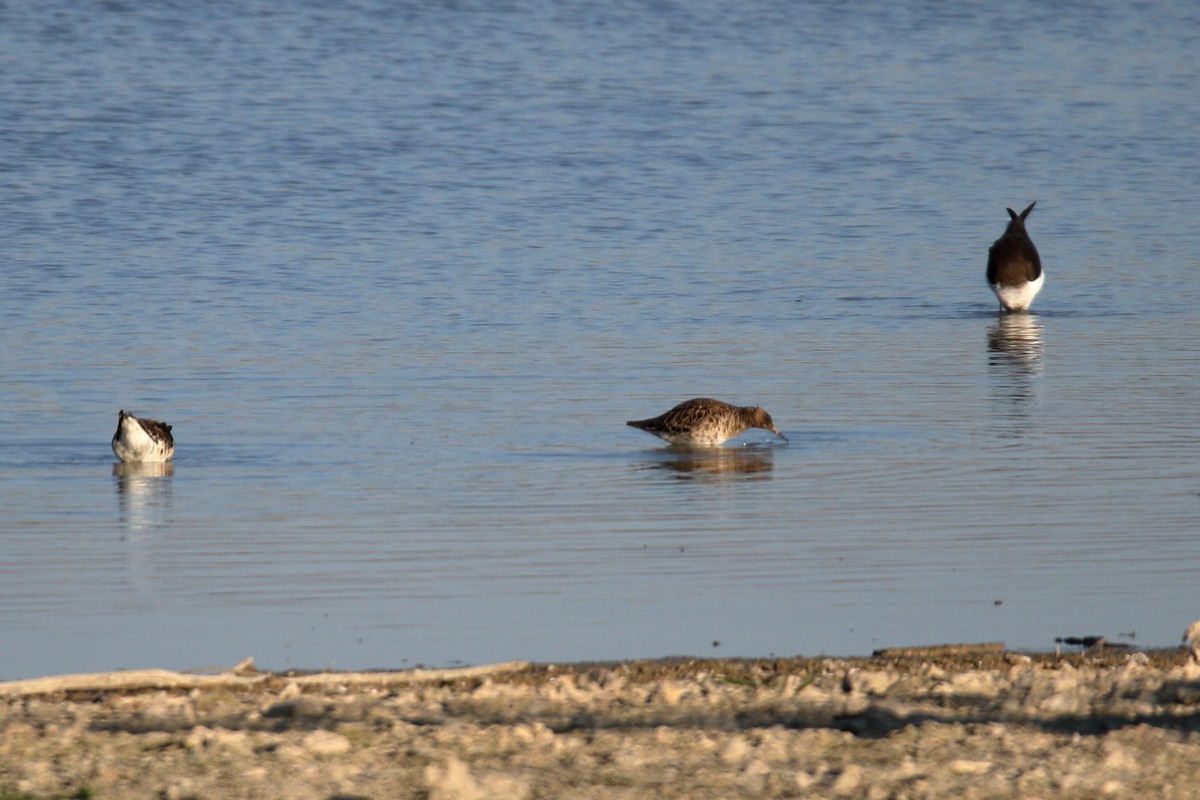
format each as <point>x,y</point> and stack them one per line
<point>970,721</point>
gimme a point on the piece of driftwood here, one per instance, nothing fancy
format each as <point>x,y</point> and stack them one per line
<point>405,676</point>
<point>934,650</point>
<point>126,680</point>
<point>241,677</point>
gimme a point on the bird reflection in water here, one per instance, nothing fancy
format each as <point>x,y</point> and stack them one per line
<point>715,463</point>
<point>1015,360</point>
<point>143,492</point>
<point>1015,343</point>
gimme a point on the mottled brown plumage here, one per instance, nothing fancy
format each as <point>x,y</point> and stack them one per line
<point>704,422</point>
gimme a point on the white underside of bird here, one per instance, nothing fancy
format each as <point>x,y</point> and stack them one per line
<point>1018,298</point>
<point>133,443</point>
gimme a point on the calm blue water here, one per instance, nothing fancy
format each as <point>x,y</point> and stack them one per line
<point>397,274</point>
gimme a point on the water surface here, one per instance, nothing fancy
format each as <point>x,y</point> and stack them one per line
<point>398,274</point>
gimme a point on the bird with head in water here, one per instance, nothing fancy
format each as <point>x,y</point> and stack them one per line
<point>704,422</point>
<point>1014,268</point>
<point>142,440</point>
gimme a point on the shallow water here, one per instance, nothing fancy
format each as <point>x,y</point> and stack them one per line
<point>398,275</point>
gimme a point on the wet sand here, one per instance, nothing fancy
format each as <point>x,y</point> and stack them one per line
<point>973,723</point>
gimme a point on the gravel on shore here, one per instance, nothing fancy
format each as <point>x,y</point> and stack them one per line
<point>963,723</point>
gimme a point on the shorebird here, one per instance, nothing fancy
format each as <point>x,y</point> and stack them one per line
<point>1014,269</point>
<point>1192,634</point>
<point>703,422</point>
<point>142,440</point>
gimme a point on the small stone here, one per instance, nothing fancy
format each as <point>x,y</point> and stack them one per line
<point>182,789</point>
<point>1061,703</point>
<point>452,780</point>
<point>1117,757</point>
<point>804,780</point>
<point>757,768</point>
<point>503,787</point>
<point>774,744</point>
<point>671,692</point>
<point>849,781</point>
<point>38,778</point>
<point>326,743</point>
<point>975,684</point>
<point>198,738</point>
<point>202,737</point>
<point>292,752</point>
<point>256,774</point>
<point>872,682</point>
<point>533,733</point>
<point>736,752</point>
<point>291,691</point>
<point>813,696</point>
<point>964,766</point>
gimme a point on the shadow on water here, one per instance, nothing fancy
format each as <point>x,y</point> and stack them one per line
<point>1015,343</point>
<point>713,464</point>
<point>143,493</point>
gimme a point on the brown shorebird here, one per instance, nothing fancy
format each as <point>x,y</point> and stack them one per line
<point>142,439</point>
<point>703,422</point>
<point>1014,269</point>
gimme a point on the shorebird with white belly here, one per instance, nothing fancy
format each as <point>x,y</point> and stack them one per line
<point>1014,268</point>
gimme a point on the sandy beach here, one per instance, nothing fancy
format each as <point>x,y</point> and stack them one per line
<point>966,722</point>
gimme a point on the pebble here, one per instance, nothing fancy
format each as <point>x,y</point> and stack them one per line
<point>452,780</point>
<point>736,752</point>
<point>291,691</point>
<point>964,766</point>
<point>671,692</point>
<point>872,682</point>
<point>981,685</point>
<point>326,743</point>
<point>849,781</point>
